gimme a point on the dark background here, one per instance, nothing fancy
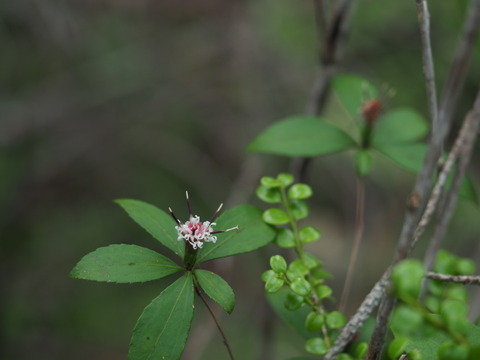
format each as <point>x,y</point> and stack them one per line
<point>102,100</point>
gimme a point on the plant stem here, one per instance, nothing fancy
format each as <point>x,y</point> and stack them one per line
<point>293,223</point>
<point>357,240</point>
<point>225,341</point>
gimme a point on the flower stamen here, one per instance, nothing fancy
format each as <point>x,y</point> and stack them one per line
<point>196,232</point>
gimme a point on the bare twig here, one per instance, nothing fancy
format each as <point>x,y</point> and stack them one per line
<point>446,212</point>
<point>357,240</point>
<point>460,279</point>
<point>368,305</point>
<point>428,68</point>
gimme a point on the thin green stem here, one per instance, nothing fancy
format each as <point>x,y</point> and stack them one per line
<point>293,223</point>
<point>225,341</point>
<point>357,240</point>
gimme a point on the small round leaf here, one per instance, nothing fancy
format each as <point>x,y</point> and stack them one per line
<point>300,191</point>
<point>269,195</point>
<point>310,261</point>
<point>268,274</point>
<point>301,287</point>
<point>285,179</point>
<point>293,301</point>
<point>335,320</point>
<point>323,291</point>
<point>299,209</point>
<point>275,216</point>
<point>316,346</point>
<point>273,285</point>
<point>407,278</point>
<point>361,350</point>
<point>314,321</point>
<point>309,234</point>
<point>285,238</point>
<point>269,181</point>
<point>278,264</point>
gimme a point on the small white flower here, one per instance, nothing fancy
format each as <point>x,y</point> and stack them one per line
<point>196,232</point>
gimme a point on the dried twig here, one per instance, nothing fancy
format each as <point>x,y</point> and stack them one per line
<point>428,68</point>
<point>460,279</point>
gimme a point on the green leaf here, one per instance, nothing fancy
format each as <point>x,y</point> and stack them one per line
<point>253,233</point>
<point>301,286</point>
<point>300,191</point>
<point>314,321</point>
<point>352,92</point>
<point>335,320</point>
<point>316,346</point>
<point>361,350</point>
<point>301,136</point>
<point>363,162</point>
<point>293,301</point>
<point>122,263</point>
<point>269,181</point>
<point>157,223</point>
<point>399,126</point>
<point>278,264</point>
<point>216,288</point>
<point>285,179</point>
<point>273,285</point>
<point>323,291</point>
<point>269,194</point>
<point>407,156</point>
<point>285,238</point>
<point>275,216</point>
<point>299,209</point>
<point>454,313</point>
<point>266,275</point>
<point>397,347</point>
<point>407,277</point>
<point>309,234</point>
<point>162,329</point>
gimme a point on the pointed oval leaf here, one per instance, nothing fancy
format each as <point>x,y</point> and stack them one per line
<point>216,288</point>
<point>301,136</point>
<point>408,156</point>
<point>122,263</point>
<point>162,329</point>
<point>253,233</point>
<point>157,223</point>
<point>399,126</point>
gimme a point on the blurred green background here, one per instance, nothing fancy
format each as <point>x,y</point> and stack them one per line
<point>146,99</point>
